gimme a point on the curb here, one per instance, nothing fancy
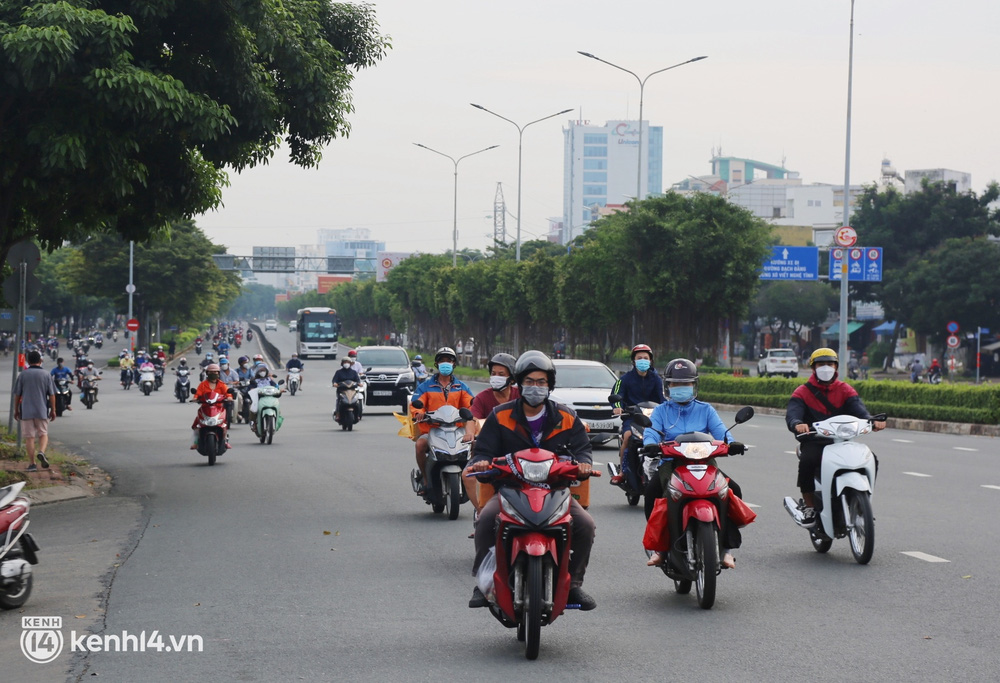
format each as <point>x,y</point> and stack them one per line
<point>57,494</point>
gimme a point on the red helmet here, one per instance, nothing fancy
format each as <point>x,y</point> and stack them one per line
<point>352,353</point>
<point>642,347</point>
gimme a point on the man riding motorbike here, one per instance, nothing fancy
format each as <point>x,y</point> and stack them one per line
<point>357,366</point>
<point>420,372</point>
<point>60,371</point>
<point>295,362</point>
<point>636,386</point>
<point>346,373</point>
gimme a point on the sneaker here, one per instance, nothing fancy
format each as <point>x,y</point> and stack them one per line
<point>808,516</point>
<point>577,596</point>
<point>31,468</point>
<point>43,460</point>
<point>478,599</point>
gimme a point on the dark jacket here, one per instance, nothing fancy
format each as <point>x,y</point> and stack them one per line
<point>634,388</point>
<point>345,375</point>
<point>506,431</point>
<point>805,407</point>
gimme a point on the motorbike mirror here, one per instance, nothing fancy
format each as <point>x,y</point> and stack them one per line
<point>615,398</point>
<point>280,382</point>
<point>642,420</point>
<point>418,404</point>
<point>466,414</point>
<point>744,414</point>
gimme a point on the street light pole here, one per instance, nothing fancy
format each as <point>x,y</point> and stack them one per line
<point>520,137</point>
<point>842,352</point>
<point>454,230</point>
<point>642,87</point>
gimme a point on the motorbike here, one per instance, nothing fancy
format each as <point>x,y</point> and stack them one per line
<point>249,335</point>
<point>64,393</point>
<point>698,499</point>
<point>89,390</point>
<point>183,384</point>
<point>197,348</point>
<point>212,425</point>
<point>114,336</point>
<point>147,379</point>
<point>269,417</point>
<point>348,408</point>
<point>636,479</point>
<point>419,372</point>
<point>934,375</point>
<point>243,401</point>
<point>294,377</point>
<point>844,487</point>
<point>530,584</point>
<point>447,457</point>
<point>17,547</point>
<point>157,377</point>
<point>99,343</point>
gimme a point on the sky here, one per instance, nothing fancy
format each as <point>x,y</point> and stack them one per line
<point>773,88</point>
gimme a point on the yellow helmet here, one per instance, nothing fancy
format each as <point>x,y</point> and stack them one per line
<point>823,354</point>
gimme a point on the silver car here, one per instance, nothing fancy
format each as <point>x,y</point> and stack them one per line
<point>584,386</point>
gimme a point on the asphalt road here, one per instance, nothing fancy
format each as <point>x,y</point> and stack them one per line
<point>311,559</point>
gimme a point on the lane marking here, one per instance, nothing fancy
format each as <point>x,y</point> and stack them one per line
<point>790,452</point>
<point>990,486</point>
<point>754,505</point>
<point>924,556</point>
<point>916,474</point>
<point>963,448</point>
<point>903,440</point>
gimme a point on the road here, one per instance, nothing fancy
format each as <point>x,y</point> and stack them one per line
<point>311,559</point>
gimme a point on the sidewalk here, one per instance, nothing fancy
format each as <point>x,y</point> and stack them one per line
<point>55,487</point>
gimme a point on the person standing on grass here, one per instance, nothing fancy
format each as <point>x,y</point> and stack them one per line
<point>35,408</point>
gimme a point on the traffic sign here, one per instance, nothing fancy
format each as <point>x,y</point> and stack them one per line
<point>864,264</point>
<point>791,263</point>
<point>953,341</point>
<point>952,327</point>
<point>130,288</point>
<point>846,236</point>
<point>132,325</point>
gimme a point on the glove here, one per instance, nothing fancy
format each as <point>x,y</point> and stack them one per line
<point>736,448</point>
<point>651,449</point>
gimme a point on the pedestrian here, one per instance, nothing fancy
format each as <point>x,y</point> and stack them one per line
<point>865,365</point>
<point>171,347</point>
<point>36,407</point>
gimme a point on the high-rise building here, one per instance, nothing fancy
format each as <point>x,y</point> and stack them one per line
<point>600,167</point>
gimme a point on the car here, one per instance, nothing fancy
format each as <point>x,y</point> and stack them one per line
<point>584,386</point>
<point>388,375</point>
<point>270,325</point>
<point>293,325</point>
<point>778,362</point>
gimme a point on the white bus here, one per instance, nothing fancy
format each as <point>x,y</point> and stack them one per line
<point>317,332</point>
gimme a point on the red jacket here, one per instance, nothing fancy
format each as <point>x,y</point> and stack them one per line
<point>806,407</point>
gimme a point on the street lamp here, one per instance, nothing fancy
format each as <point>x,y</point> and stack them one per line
<point>642,86</point>
<point>520,137</point>
<point>454,230</point>
<point>847,199</point>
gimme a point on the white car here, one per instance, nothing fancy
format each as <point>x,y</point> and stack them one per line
<point>584,386</point>
<point>270,325</point>
<point>293,325</point>
<point>778,362</point>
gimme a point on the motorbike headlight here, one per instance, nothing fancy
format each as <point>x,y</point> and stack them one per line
<point>211,421</point>
<point>536,472</point>
<point>508,509</point>
<point>560,511</point>
<point>696,450</point>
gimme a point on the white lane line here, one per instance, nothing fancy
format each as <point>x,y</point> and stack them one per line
<point>916,474</point>
<point>790,452</point>
<point>903,440</point>
<point>990,486</point>
<point>962,448</point>
<point>924,556</point>
<point>754,505</point>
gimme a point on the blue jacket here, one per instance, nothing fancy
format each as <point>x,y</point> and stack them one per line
<point>634,388</point>
<point>672,419</point>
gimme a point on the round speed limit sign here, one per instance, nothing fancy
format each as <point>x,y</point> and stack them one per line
<point>953,341</point>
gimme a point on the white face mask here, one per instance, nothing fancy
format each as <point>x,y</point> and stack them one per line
<point>825,373</point>
<point>497,382</point>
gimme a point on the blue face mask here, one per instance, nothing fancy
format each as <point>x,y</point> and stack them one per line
<point>642,365</point>
<point>681,394</point>
<point>446,368</point>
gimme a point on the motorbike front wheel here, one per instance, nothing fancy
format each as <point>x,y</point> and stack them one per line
<point>706,558</point>
<point>269,427</point>
<point>211,446</point>
<point>453,494</point>
<point>533,610</point>
<point>862,525</point>
<point>292,388</point>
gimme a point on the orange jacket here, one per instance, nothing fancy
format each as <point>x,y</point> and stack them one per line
<point>206,388</point>
<point>433,396</point>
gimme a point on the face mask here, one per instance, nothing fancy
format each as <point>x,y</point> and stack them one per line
<point>345,365</point>
<point>825,373</point>
<point>446,368</point>
<point>497,382</point>
<point>534,396</point>
<point>213,377</point>
<point>642,365</point>
<point>681,394</point>
<point>262,375</point>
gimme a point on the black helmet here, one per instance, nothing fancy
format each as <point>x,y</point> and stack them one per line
<point>445,352</point>
<point>681,371</point>
<point>530,361</point>
<point>504,359</point>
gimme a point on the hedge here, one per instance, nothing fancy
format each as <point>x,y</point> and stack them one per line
<point>949,403</point>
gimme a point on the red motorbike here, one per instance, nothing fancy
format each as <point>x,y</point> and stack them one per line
<point>17,547</point>
<point>531,579</point>
<point>697,499</point>
<point>212,425</point>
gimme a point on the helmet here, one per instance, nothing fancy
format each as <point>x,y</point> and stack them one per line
<point>243,359</point>
<point>259,357</point>
<point>223,360</point>
<point>681,371</point>
<point>642,347</point>
<point>823,354</point>
<point>159,348</point>
<point>530,361</point>
<point>418,357</point>
<point>209,355</point>
<point>295,355</point>
<point>504,359</point>
<point>212,367</point>
<point>261,368</point>
<point>352,353</point>
<point>183,361</point>
<point>445,352</point>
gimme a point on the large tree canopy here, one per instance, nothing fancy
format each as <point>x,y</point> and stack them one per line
<point>123,114</point>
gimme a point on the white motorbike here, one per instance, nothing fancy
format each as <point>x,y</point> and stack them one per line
<point>844,487</point>
<point>294,378</point>
<point>448,456</point>
<point>147,380</point>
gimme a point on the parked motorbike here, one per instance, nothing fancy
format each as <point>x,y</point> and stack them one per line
<point>844,487</point>
<point>530,584</point>
<point>636,479</point>
<point>88,388</point>
<point>347,410</point>
<point>182,385</point>
<point>447,457</point>
<point>269,417</point>
<point>17,547</point>
<point>294,378</point>
<point>64,394</point>
<point>212,425</point>
<point>147,379</point>
<point>698,499</point>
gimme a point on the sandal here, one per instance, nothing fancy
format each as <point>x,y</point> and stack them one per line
<point>728,561</point>
<point>655,560</point>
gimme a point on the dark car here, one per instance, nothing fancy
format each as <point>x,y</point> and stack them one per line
<point>388,375</point>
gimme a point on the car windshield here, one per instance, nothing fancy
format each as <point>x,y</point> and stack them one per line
<point>392,358</point>
<point>782,353</point>
<point>585,376</point>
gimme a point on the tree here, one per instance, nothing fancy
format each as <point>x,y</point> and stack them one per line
<point>121,115</point>
<point>796,305</point>
<point>255,301</point>
<point>57,299</point>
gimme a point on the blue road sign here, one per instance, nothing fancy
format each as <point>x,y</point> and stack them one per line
<point>791,263</point>
<point>864,264</point>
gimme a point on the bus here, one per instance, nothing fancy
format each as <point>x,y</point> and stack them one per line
<point>317,332</point>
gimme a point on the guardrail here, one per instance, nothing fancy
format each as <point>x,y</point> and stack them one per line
<point>270,350</point>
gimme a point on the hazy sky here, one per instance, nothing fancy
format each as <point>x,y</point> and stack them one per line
<point>774,86</point>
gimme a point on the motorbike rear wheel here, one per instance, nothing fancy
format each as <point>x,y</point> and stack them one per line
<point>533,610</point>
<point>452,494</point>
<point>683,586</point>
<point>821,545</point>
<point>706,558</point>
<point>12,598</point>
<point>632,498</point>
<point>862,525</point>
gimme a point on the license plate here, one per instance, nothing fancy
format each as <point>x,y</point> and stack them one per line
<point>381,393</point>
<point>602,425</point>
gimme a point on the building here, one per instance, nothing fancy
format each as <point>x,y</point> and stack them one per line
<point>600,167</point>
<point>341,245</point>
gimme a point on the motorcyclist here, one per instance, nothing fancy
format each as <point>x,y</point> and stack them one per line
<point>261,378</point>
<point>211,385</point>
<point>358,367</point>
<point>226,373</point>
<point>81,367</point>
<point>223,347</point>
<point>346,373</point>
<point>934,371</point>
<point>502,389</point>
<point>244,370</point>
<point>822,397</point>
<point>258,359</point>
<point>636,386</point>
<point>916,370</point>
<point>60,371</point>
<point>443,388</point>
<point>535,421</point>
<point>91,374</point>
<point>681,414</point>
<point>420,372</point>
<point>295,362</point>
<point>160,355</point>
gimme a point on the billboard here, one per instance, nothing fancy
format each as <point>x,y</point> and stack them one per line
<point>386,261</point>
<point>274,259</point>
<point>324,283</point>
